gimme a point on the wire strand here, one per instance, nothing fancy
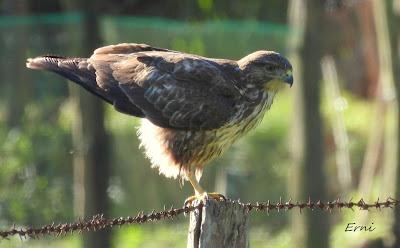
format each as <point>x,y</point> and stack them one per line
<point>99,222</point>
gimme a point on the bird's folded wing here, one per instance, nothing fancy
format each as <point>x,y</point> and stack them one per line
<point>126,48</point>
<point>173,90</point>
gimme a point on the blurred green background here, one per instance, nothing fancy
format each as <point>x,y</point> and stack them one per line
<point>65,155</point>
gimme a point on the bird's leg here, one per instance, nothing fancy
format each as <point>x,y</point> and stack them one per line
<point>198,190</point>
<point>200,193</point>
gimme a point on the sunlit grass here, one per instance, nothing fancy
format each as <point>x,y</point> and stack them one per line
<point>68,241</point>
<point>156,235</point>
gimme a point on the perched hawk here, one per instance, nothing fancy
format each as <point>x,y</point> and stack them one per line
<point>192,108</point>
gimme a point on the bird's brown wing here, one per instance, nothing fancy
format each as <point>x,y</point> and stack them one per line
<point>173,90</point>
<point>127,48</point>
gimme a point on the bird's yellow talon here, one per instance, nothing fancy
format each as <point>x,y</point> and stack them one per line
<point>216,196</point>
<point>203,197</point>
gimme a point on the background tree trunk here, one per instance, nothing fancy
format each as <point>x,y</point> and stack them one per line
<point>309,175</point>
<point>392,10</point>
<point>91,142</point>
<point>296,16</point>
<point>317,224</point>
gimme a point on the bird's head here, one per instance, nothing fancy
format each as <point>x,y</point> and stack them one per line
<point>266,69</point>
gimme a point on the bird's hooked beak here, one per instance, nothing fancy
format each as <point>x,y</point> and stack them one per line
<point>288,77</point>
<point>281,80</point>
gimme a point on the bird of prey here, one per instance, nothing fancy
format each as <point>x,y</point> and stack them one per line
<point>192,107</point>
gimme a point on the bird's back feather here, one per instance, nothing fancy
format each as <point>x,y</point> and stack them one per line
<point>172,89</point>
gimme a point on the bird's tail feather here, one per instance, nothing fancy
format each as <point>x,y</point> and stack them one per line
<point>77,70</point>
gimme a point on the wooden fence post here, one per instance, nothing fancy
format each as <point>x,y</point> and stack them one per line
<point>219,224</point>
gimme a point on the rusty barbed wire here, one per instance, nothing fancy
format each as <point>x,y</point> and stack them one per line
<point>98,222</point>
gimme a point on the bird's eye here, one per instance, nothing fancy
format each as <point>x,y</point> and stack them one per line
<point>270,67</point>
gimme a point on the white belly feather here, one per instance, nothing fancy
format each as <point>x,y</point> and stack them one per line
<point>154,140</point>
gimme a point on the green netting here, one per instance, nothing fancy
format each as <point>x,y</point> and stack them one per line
<point>53,19</point>
<point>213,38</point>
<point>231,39</point>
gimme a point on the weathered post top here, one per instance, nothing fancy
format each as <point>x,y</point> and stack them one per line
<point>218,224</point>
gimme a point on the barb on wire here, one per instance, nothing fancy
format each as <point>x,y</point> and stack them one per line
<point>99,222</point>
